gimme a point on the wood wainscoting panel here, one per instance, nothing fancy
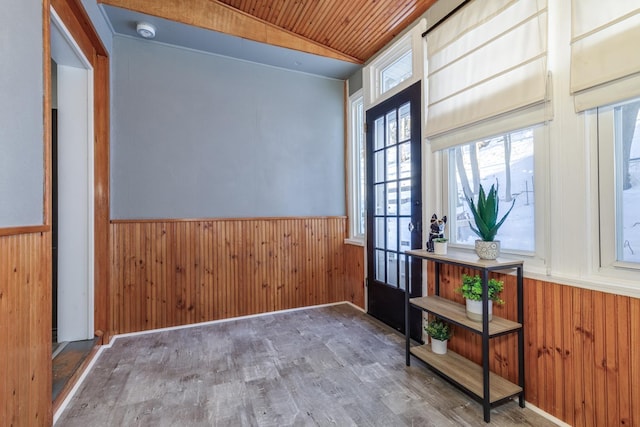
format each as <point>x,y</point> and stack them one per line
<point>582,358</point>
<point>25,329</point>
<point>168,273</point>
<point>354,274</point>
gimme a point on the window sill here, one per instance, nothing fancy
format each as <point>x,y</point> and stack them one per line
<point>598,283</point>
<point>604,280</point>
<point>533,266</point>
<point>356,241</point>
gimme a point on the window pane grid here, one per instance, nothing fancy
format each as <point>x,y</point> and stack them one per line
<point>392,162</point>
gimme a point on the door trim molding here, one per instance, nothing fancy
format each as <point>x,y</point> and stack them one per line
<point>76,151</point>
<point>75,18</point>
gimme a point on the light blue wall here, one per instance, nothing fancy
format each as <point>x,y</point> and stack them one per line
<point>99,23</point>
<point>355,82</point>
<point>200,136</point>
<point>21,134</point>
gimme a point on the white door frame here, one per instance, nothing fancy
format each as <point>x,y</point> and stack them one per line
<point>75,186</point>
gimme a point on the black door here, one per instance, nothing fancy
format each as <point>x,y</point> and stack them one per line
<point>394,205</point>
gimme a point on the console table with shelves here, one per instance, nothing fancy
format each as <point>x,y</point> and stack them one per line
<point>476,380</point>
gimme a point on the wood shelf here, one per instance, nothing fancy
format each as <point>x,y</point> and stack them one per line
<point>466,259</point>
<point>466,373</point>
<point>460,371</point>
<point>456,313</point>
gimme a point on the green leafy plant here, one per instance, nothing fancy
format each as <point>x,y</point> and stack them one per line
<point>440,240</point>
<point>485,213</point>
<point>472,288</point>
<point>438,330</point>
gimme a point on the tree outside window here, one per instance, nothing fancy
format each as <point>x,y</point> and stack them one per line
<point>507,160</point>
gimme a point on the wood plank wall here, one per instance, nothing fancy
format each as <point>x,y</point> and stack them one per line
<point>167,273</point>
<point>582,361</point>
<point>354,274</point>
<point>25,332</point>
<point>582,352</point>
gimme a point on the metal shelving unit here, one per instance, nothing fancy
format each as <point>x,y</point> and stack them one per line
<point>476,380</point>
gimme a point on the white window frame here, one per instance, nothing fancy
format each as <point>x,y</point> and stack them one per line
<point>397,51</point>
<point>535,262</point>
<point>372,73</point>
<point>600,125</point>
<point>356,172</point>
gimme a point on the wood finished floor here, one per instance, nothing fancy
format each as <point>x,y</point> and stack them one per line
<point>329,366</point>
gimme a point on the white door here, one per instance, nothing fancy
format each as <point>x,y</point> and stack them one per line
<point>75,186</point>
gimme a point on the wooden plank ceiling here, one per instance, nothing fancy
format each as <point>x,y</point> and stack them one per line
<point>349,30</point>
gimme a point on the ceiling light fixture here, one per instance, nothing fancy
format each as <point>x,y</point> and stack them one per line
<point>146,30</point>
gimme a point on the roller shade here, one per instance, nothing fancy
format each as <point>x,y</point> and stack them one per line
<point>605,57</point>
<point>487,71</point>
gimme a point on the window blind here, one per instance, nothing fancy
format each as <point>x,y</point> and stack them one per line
<point>487,71</point>
<point>605,57</point>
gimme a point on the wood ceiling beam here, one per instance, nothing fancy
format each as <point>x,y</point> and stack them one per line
<point>216,16</point>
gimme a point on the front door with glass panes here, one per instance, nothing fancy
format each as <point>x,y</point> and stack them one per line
<point>394,208</point>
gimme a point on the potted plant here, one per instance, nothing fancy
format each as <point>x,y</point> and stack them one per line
<point>440,332</point>
<point>471,289</point>
<point>485,214</point>
<point>440,245</point>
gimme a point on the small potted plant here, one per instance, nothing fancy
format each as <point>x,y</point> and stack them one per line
<point>440,245</point>
<point>485,215</point>
<point>440,332</point>
<point>471,289</point>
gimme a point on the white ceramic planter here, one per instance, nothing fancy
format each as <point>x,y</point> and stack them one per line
<point>440,248</point>
<point>474,310</point>
<point>439,347</point>
<point>488,250</point>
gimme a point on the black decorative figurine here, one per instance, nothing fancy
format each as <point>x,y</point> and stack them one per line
<point>436,230</point>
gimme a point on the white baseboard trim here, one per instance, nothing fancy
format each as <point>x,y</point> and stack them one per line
<point>354,306</point>
<point>230,319</point>
<point>214,322</point>
<point>545,414</point>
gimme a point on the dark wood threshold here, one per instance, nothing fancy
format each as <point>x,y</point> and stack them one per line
<point>69,365</point>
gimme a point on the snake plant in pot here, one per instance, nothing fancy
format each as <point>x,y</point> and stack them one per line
<point>485,215</point>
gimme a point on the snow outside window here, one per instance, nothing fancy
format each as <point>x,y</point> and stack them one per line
<point>397,72</point>
<point>619,177</point>
<point>508,161</point>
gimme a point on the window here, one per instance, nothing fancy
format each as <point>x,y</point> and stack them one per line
<point>396,68</point>
<point>509,161</point>
<point>357,189</point>
<point>619,176</point>
<point>396,72</point>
